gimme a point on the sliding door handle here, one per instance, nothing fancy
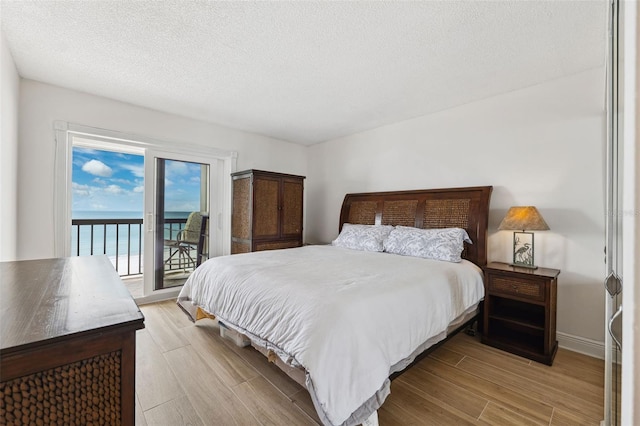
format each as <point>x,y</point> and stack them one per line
<point>610,327</point>
<point>149,222</point>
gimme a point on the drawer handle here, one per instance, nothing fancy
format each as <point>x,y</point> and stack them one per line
<point>515,287</point>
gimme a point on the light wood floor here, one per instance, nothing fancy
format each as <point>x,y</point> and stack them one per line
<point>186,374</point>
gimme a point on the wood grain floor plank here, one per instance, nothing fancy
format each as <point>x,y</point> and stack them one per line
<point>565,356</point>
<point>205,339</point>
<point>566,378</point>
<point>571,372</point>
<point>175,412</point>
<point>577,366</point>
<point>269,405</point>
<point>392,413</point>
<point>178,318</point>
<point>214,402</point>
<point>266,369</point>
<point>496,414</point>
<point>422,407</point>
<point>516,401</point>
<point>140,419</point>
<point>544,375</point>
<point>225,384</point>
<point>535,390</point>
<point>155,382</point>
<point>163,330</point>
<point>303,400</point>
<point>564,418</point>
<point>472,347</point>
<point>448,393</point>
<point>445,354</point>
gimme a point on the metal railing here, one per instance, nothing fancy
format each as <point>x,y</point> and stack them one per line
<point>120,239</point>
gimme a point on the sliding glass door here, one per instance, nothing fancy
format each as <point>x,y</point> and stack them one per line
<point>178,205</point>
<point>614,218</point>
<point>176,180</point>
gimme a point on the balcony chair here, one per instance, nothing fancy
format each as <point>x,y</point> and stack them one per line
<point>191,237</point>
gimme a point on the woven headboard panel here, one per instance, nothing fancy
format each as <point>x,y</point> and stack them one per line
<point>466,208</point>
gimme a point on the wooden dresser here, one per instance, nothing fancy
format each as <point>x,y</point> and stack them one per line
<point>266,211</point>
<point>68,346</point>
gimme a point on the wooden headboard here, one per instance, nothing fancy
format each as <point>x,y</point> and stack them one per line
<point>466,208</point>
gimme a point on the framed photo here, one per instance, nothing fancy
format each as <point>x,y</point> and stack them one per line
<point>523,249</point>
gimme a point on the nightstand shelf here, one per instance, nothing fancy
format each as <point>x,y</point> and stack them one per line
<point>517,323</point>
<point>520,311</point>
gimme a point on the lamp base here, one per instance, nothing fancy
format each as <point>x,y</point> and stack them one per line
<point>518,265</point>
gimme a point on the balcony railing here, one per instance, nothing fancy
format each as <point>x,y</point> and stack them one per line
<point>120,239</point>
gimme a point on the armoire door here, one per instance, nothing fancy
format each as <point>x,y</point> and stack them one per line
<point>266,207</point>
<point>291,207</point>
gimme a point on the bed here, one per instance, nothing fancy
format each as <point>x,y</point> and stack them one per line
<point>341,321</point>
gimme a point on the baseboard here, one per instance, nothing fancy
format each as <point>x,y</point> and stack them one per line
<point>581,345</point>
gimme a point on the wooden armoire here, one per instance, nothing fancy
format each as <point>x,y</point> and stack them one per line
<point>266,211</point>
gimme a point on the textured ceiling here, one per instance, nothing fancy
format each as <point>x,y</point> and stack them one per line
<point>305,72</point>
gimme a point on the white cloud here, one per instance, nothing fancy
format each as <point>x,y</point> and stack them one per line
<point>97,168</point>
<point>100,181</point>
<point>177,168</point>
<point>138,189</point>
<point>122,181</point>
<point>135,169</point>
<point>114,189</point>
<point>81,190</point>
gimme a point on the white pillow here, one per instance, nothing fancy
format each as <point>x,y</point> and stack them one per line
<point>362,237</point>
<point>439,244</point>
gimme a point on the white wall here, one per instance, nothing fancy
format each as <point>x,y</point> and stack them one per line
<point>541,146</point>
<point>42,104</point>
<point>9,92</point>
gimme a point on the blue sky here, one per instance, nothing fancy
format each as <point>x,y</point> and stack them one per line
<point>114,181</point>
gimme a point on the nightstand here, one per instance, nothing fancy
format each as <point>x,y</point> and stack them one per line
<point>520,310</point>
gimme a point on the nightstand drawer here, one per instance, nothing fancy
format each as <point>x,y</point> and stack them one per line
<point>527,289</point>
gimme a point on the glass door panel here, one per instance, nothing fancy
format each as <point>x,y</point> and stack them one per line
<point>182,212</point>
<point>178,201</point>
<point>614,222</point>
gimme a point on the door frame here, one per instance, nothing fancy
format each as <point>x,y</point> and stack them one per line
<point>65,133</point>
<point>631,221</point>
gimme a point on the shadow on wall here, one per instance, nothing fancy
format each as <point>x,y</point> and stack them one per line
<point>316,212</point>
<point>323,211</point>
<point>581,306</point>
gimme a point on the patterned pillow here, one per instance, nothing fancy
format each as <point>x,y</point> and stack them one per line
<point>439,244</point>
<point>362,237</point>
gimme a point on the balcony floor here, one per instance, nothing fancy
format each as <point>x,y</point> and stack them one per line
<point>135,285</point>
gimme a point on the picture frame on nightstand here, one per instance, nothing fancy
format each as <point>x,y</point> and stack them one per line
<point>523,249</point>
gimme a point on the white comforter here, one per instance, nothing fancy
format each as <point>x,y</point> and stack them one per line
<point>345,316</point>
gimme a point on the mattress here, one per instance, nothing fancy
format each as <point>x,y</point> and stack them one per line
<point>348,318</point>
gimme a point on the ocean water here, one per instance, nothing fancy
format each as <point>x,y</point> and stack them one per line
<point>106,239</point>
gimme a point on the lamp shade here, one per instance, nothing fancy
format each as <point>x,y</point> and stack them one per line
<point>523,218</point>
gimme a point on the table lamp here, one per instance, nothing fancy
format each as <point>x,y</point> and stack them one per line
<point>521,219</point>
